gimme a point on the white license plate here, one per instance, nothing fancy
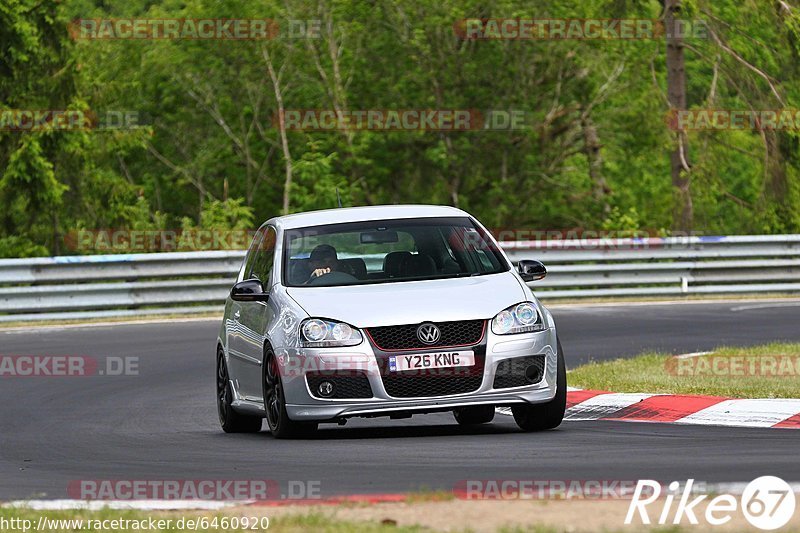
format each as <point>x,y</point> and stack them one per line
<point>421,361</point>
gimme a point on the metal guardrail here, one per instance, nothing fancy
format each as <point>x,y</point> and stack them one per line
<point>186,282</point>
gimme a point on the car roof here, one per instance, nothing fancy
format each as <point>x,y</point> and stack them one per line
<point>358,214</point>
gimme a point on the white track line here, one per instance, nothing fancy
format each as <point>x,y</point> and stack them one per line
<point>33,328</point>
<point>142,505</point>
<point>690,355</point>
<point>726,301</point>
<point>764,306</point>
<point>734,488</point>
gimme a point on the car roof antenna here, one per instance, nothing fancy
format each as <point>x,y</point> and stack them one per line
<point>338,198</point>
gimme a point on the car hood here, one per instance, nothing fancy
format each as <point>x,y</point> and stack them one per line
<point>412,302</point>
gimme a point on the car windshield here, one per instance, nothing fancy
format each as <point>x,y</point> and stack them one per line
<point>388,251</point>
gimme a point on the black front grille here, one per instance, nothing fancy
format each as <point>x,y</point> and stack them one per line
<point>345,384</point>
<point>421,386</point>
<point>519,371</point>
<point>461,333</point>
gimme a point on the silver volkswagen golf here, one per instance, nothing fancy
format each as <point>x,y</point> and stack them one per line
<point>384,311</point>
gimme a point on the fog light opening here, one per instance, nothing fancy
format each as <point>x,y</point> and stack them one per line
<point>325,389</point>
<point>532,374</point>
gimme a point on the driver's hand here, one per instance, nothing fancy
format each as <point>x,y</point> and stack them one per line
<point>320,272</point>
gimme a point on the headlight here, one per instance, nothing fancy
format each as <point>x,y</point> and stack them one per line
<point>318,333</point>
<point>520,318</point>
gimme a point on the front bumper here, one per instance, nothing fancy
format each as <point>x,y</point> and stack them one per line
<point>302,405</point>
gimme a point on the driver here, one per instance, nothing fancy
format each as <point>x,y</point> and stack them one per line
<point>323,261</point>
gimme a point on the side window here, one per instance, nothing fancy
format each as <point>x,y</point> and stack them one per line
<point>264,257</point>
<point>251,253</point>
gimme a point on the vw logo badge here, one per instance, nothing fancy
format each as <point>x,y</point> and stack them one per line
<point>428,333</point>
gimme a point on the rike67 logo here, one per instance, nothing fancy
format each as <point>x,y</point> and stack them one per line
<point>767,502</point>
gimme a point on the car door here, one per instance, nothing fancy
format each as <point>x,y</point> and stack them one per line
<point>255,317</point>
<point>237,345</point>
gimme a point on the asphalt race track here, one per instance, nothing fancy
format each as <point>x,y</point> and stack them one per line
<point>162,423</point>
<point>609,332</point>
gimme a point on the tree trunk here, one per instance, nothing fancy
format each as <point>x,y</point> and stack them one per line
<point>676,95</point>
<point>591,147</point>
<point>56,235</point>
<point>287,155</point>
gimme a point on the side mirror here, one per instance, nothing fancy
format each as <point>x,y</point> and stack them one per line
<point>249,290</point>
<point>530,270</point>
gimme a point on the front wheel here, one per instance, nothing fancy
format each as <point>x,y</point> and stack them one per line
<point>230,420</point>
<point>548,415</point>
<point>280,425</point>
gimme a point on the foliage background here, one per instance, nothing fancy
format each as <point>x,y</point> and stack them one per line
<point>596,154</point>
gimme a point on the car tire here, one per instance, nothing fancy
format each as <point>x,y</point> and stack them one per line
<point>470,416</point>
<point>230,420</point>
<point>278,421</point>
<point>548,415</point>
